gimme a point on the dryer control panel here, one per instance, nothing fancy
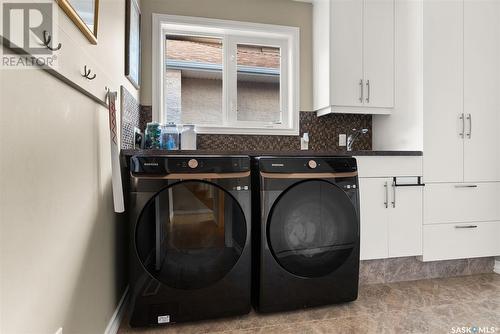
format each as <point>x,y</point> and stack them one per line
<point>307,164</point>
<point>162,165</point>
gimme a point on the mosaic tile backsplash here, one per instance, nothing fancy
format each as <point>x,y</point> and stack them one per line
<point>130,116</point>
<point>323,134</point>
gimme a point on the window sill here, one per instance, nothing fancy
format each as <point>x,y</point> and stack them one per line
<point>223,130</point>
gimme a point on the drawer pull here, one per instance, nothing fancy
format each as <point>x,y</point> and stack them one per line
<point>465,185</point>
<point>465,226</point>
<point>386,198</point>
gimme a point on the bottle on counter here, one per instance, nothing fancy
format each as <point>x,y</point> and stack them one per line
<point>169,137</point>
<point>188,137</point>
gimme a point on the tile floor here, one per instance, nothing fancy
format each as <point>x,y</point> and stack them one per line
<point>426,306</point>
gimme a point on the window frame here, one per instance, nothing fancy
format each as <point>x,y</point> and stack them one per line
<point>233,33</point>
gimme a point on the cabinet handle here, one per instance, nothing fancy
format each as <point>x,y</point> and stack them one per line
<point>465,226</point>
<point>465,185</point>
<point>386,199</point>
<point>462,118</point>
<point>368,91</point>
<point>361,89</point>
<point>469,118</point>
<point>394,194</point>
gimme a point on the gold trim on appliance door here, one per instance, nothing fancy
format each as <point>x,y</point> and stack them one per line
<point>196,176</point>
<point>306,175</point>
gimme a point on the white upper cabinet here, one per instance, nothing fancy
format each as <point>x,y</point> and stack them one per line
<point>443,91</point>
<point>481,89</point>
<point>461,73</point>
<point>378,57</point>
<point>346,48</point>
<point>353,56</point>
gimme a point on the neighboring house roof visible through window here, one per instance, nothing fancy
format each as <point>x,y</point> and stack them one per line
<point>199,54</point>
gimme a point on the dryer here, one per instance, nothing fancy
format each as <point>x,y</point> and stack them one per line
<point>305,232</point>
<point>189,238</point>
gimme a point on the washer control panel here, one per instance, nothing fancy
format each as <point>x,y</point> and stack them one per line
<point>161,165</point>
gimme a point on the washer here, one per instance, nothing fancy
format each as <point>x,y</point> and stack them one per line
<point>190,238</point>
<point>305,232</point>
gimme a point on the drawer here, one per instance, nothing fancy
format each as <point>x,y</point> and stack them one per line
<point>461,240</point>
<point>461,202</point>
<point>389,166</point>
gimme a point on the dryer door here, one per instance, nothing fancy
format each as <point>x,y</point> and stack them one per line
<point>191,234</point>
<point>312,228</point>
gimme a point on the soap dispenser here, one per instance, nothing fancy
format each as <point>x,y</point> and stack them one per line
<point>304,141</point>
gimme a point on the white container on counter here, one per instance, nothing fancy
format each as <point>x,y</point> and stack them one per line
<point>188,137</point>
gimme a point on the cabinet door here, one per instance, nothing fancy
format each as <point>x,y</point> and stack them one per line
<point>374,193</point>
<point>405,222</point>
<point>378,54</point>
<point>346,26</point>
<point>481,88</point>
<point>443,90</point>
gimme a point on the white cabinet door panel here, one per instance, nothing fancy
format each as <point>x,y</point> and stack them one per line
<point>457,241</point>
<point>374,217</point>
<point>346,26</point>
<point>461,202</point>
<point>405,222</point>
<point>379,53</point>
<point>443,91</point>
<point>481,89</point>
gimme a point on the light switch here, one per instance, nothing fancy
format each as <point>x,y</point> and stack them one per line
<point>342,139</point>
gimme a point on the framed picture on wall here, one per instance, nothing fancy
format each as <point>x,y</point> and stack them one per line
<point>133,42</point>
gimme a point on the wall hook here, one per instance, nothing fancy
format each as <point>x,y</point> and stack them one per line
<point>46,41</point>
<point>86,73</point>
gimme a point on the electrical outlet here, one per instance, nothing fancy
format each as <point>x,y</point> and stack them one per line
<point>342,139</point>
<point>59,331</point>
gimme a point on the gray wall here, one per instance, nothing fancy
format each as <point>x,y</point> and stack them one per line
<point>281,12</point>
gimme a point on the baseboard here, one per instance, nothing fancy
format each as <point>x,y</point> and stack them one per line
<point>496,268</point>
<point>116,318</point>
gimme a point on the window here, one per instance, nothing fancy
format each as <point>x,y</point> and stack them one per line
<point>225,76</point>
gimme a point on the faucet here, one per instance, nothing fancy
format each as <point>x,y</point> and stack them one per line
<point>353,136</point>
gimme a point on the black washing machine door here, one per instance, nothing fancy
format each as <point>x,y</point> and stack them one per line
<point>312,228</point>
<point>190,234</point>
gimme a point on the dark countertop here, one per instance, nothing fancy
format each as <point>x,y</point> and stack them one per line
<point>131,152</point>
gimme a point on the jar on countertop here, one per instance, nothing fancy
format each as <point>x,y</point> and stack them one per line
<point>188,137</point>
<point>153,132</point>
<point>170,137</point>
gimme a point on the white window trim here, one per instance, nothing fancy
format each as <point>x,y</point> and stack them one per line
<point>246,33</point>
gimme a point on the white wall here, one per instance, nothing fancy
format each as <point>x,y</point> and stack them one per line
<point>62,248</point>
<point>403,130</point>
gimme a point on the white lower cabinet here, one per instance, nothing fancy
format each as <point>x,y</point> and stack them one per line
<point>461,240</point>
<point>391,218</point>
<point>405,222</point>
<point>461,220</point>
<point>374,217</point>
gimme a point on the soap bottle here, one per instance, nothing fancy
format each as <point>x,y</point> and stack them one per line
<point>304,141</point>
